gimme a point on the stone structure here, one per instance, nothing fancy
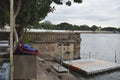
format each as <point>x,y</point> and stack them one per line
<point>25,67</point>
<point>56,45</point>
<point>53,45</point>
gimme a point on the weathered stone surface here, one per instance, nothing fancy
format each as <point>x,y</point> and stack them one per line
<point>25,67</point>
<point>52,45</point>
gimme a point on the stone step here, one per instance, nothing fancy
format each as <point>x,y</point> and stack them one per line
<point>59,68</point>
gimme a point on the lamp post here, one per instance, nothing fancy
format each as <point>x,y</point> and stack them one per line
<point>11,38</point>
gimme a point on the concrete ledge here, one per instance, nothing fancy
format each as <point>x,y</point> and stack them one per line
<point>25,67</point>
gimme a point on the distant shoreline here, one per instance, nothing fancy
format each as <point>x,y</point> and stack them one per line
<point>71,31</point>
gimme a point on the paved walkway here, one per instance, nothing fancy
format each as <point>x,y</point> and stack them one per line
<point>46,72</point>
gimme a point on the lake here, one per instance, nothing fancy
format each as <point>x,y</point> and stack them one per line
<point>102,47</point>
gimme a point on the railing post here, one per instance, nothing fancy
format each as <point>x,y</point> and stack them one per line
<point>115,57</point>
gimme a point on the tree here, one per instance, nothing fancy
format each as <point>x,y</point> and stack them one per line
<point>45,25</point>
<point>75,27</point>
<point>118,30</point>
<point>94,28</point>
<point>109,29</point>
<point>84,27</point>
<point>27,12</point>
<point>4,13</point>
<point>65,26</point>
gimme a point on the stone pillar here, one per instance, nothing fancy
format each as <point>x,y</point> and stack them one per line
<point>25,67</point>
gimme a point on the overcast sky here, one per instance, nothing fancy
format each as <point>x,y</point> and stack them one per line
<point>102,13</point>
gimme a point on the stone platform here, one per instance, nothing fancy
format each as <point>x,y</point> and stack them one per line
<point>91,66</point>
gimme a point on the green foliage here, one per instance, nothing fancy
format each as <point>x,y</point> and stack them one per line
<point>109,29</point>
<point>37,26</point>
<point>118,30</point>
<point>78,1</point>
<point>57,1</point>
<point>68,3</point>
<point>84,27</point>
<point>67,26</point>
<point>25,38</point>
<point>94,28</point>
<point>45,25</point>
<point>4,12</point>
<point>31,11</point>
<point>61,26</point>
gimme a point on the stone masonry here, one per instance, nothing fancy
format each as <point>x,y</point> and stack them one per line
<point>56,45</point>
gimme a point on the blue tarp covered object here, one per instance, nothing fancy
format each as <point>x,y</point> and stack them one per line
<point>25,49</point>
<point>28,47</point>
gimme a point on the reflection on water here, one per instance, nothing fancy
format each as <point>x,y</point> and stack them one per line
<point>103,47</point>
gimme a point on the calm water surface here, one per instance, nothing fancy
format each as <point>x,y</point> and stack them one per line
<point>103,47</point>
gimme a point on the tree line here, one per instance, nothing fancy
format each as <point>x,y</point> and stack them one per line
<point>68,26</point>
<point>28,13</point>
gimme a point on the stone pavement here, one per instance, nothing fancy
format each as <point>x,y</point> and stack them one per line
<point>45,71</point>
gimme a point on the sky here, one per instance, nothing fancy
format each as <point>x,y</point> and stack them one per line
<point>104,13</point>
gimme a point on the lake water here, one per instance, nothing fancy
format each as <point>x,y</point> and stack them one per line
<point>102,47</point>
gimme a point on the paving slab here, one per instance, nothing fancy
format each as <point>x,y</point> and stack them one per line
<point>45,71</point>
<point>59,68</point>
